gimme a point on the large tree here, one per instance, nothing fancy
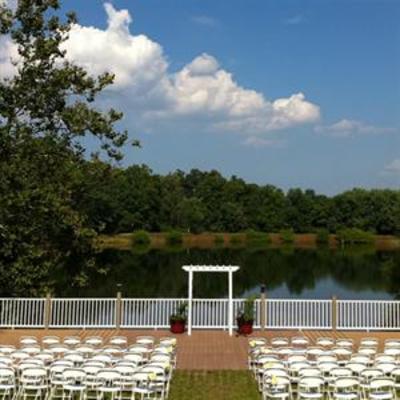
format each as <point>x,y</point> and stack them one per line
<point>46,108</point>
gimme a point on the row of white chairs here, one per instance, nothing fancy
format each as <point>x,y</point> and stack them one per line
<point>95,341</point>
<point>284,367</point>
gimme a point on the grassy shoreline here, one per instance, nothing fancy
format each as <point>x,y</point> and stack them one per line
<point>208,240</point>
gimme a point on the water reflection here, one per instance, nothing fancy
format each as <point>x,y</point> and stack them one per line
<point>286,272</point>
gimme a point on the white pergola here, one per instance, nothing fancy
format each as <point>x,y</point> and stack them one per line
<point>230,269</point>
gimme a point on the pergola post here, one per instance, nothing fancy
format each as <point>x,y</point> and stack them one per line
<point>230,302</point>
<point>190,299</point>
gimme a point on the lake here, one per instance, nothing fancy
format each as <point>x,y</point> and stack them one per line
<point>287,272</point>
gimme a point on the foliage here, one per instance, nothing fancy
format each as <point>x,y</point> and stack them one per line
<point>256,238</point>
<point>247,313</point>
<point>180,314</point>
<point>322,236</point>
<point>287,236</point>
<point>174,238</point>
<point>219,239</point>
<point>236,239</point>
<point>213,385</point>
<point>197,201</point>
<point>46,108</point>
<point>354,236</point>
<point>141,237</point>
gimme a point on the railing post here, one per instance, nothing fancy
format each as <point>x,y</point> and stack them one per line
<point>334,313</point>
<point>47,311</point>
<point>263,308</point>
<point>118,310</point>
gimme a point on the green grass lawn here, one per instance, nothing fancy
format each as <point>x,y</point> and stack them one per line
<point>213,385</point>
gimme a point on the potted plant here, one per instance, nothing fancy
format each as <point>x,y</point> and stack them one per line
<point>245,317</point>
<point>177,320</point>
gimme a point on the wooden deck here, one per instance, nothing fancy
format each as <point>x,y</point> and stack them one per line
<point>204,350</point>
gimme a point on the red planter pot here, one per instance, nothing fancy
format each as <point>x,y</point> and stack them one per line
<point>178,327</point>
<point>246,328</point>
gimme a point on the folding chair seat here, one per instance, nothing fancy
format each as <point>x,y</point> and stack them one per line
<point>386,367</point>
<point>299,341</point>
<point>347,343</point>
<point>257,341</point>
<point>343,354</point>
<point>279,342</point>
<point>146,340</point>
<point>392,343</point>
<point>7,349</point>
<point>310,372</point>
<point>326,342</point>
<point>50,340</point>
<point>87,350</point>
<point>356,368</point>
<point>72,341</point>
<point>168,341</point>
<point>28,340</point>
<point>95,341</point>
<point>32,349</point>
<point>58,350</point>
<point>369,342</point>
<point>76,357</point>
<point>367,351</point>
<point>121,341</point>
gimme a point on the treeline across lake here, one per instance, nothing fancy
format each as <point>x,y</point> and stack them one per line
<point>127,199</point>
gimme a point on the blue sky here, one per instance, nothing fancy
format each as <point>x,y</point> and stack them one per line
<point>344,56</point>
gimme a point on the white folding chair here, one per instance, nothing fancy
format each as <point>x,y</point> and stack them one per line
<point>299,341</point>
<point>146,340</point>
<point>311,387</point>
<point>369,342</point>
<point>108,384</point>
<point>158,380</point>
<point>74,384</point>
<point>277,387</point>
<point>365,379</point>
<point>142,386</point>
<point>382,389</point>
<point>346,388</point>
<point>33,383</point>
<point>7,383</point>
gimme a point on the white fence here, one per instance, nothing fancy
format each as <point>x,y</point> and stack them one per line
<point>207,313</point>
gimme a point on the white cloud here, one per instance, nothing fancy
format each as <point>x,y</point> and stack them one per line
<point>393,167</point>
<point>202,94</point>
<point>294,20</point>
<point>205,20</point>
<point>257,142</point>
<point>348,127</point>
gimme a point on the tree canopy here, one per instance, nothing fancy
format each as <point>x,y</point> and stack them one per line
<point>46,108</point>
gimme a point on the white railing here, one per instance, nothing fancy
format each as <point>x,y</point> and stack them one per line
<point>301,314</point>
<point>20,313</point>
<point>148,313</point>
<point>207,313</point>
<point>372,315</point>
<point>82,313</point>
